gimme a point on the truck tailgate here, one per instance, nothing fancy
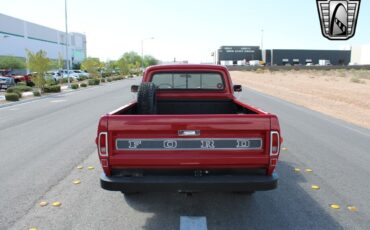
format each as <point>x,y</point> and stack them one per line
<point>188,141</point>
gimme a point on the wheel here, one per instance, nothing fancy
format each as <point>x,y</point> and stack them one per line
<point>146,99</point>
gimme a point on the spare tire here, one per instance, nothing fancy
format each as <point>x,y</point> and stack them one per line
<point>146,98</point>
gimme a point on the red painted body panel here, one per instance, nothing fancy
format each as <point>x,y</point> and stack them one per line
<point>258,125</point>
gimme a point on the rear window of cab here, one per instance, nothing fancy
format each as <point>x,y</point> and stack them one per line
<point>188,81</point>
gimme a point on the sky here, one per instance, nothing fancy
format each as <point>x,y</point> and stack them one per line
<point>188,29</point>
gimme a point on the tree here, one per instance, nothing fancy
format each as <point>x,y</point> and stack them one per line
<point>122,64</point>
<point>92,65</point>
<point>76,65</point>
<point>129,63</point>
<point>10,62</point>
<point>111,66</point>
<point>40,64</point>
<point>150,60</point>
<point>58,63</point>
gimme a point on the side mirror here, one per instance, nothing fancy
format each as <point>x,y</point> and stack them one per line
<point>134,88</point>
<point>237,88</point>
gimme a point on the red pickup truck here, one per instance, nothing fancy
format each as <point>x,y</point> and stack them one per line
<point>187,132</point>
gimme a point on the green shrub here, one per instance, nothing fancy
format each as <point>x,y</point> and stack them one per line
<point>18,92</point>
<point>11,97</point>
<point>91,82</point>
<point>106,74</point>
<point>65,80</point>
<point>74,86</point>
<point>83,85</point>
<point>36,94</point>
<point>52,89</point>
<point>109,79</point>
<point>102,80</point>
<point>51,81</point>
<point>21,83</point>
<point>81,78</point>
<point>117,78</point>
<point>94,81</point>
<point>19,88</point>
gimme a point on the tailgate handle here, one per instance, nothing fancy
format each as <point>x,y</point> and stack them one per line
<point>188,133</point>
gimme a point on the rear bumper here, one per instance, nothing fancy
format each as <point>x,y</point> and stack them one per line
<point>225,183</point>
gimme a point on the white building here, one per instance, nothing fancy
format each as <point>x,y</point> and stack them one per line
<point>360,55</point>
<point>17,35</point>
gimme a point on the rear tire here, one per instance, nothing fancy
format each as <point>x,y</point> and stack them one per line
<point>146,99</point>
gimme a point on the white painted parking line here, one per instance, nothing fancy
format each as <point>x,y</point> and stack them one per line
<point>14,109</point>
<point>58,101</point>
<point>193,223</point>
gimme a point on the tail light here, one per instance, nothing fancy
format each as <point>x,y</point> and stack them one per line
<point>103,144</point>
<point>274,143</point>
<point>274,151</point>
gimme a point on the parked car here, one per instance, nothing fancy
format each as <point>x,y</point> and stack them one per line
<point>81,73</point>
<point>6,82</point>
<point>55,75</point>
<point>17,75</point>
<point>70,74</point>
<point>187,132</point>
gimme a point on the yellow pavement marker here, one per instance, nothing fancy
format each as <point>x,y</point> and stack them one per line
<point>32,228</point>
<point>80,167</point>
<point>56,204</point>
<point>352,208</point>
<point>297,169</point>
<point>76,182</point>
<point>309,170</point>
<point>335,206</point>
<point>43,203</point>
<point>90,167</point>
<point>315,187</point>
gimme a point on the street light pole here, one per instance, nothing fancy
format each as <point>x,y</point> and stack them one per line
<point>262,39</point>
<point>263,52</point>
<point>142,51</point>
<point>142,55</point>
<point>67,58</point>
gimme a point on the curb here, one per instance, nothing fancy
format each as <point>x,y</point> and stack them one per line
<point>64,89</point>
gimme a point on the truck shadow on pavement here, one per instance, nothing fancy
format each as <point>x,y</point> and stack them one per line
<point>288,207</point>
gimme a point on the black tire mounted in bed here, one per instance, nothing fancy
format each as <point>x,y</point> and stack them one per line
<point>146,99</point>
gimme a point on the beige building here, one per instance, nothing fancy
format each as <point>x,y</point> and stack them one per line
<point>17,35</point>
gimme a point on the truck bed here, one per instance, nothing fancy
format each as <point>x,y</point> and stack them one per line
<point>191,106</point>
